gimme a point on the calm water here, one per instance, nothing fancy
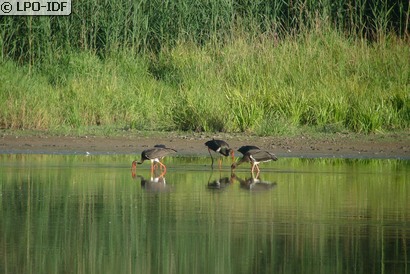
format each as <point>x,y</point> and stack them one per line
<point>86,214</point>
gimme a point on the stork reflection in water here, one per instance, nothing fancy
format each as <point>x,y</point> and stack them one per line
<point>254,183</point>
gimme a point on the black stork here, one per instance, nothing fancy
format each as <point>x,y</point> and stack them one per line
<point>255,157</point>
<point>221,147</point>
<point>246,149</point>
<point>154,155</point>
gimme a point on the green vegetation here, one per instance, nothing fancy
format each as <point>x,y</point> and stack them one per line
<point>265,68</point>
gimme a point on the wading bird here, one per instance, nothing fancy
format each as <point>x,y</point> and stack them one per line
<point>154,155</point>
<point>255,156</point>
<point>246,149</point>
<point>221,147</point>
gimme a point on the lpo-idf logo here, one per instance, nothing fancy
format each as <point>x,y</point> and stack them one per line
<point>35,7</point>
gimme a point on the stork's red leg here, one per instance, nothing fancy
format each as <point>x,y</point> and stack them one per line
<point>212,158</point>
<point>253,166</point>
<point>164,167</point>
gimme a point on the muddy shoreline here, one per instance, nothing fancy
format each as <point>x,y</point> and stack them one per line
<point>335,145</point>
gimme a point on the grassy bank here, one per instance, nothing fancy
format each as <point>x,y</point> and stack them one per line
<point>323,80</point>
<point>235,68</point>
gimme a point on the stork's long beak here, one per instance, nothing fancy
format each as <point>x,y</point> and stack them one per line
<point>232,155</point>
<point>134,169</point>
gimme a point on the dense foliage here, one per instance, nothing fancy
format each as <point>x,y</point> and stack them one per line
<point>260,66</point>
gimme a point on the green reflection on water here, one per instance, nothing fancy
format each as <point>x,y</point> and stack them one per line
<point>79,214</point>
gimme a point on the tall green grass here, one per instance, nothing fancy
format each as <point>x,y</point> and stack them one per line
<point>322,80</point>
<point>260,67</point>
<point>142,26</point>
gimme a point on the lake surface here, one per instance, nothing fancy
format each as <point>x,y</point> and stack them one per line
<point>88,214</point>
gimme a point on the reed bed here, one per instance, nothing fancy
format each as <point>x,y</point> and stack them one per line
<point>265,68</point>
